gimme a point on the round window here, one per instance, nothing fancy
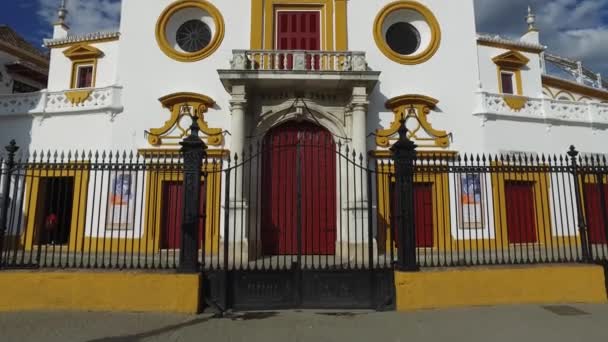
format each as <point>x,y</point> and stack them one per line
<point>403,38</point>
<point>193,35</point>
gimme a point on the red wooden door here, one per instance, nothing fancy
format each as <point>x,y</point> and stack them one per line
<point>298,30</point>
<point>423,199</point>
<point>317,177</point>
<point>173,206</point>
<point>423,214</point>
<point>594,214</point>
<point>521,218</point>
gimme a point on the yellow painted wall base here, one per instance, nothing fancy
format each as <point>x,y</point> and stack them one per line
<point>494,286</point>
<point>99,291</point>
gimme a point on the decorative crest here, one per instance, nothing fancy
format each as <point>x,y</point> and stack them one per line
<point>531,19</point>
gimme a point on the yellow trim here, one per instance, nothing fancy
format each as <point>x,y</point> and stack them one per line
<point>333,21</point>
<point>341,25</point>
<point>82,55</point>
<point>512,62</point>
<point>511,59</point>
<point>542,205</point>
<point>174,103</point>
<point>154,204</point>
<point>168,152</point>
<point>441,207</point>
<point>80,173</point>
<point>576,88</point>
<point>77,97</point>
<point>100,291</point>
<point>508,46</point>
<point>401,107</point>
<point>163,20</point>
<point>429,18</point>
<point>257,21</point>
<point>423,154</point>
<point>76,65</point>
<point>494,286</point>
<point>567,94</point>
<point>82,51</point>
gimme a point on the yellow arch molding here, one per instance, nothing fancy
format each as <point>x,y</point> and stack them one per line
<point>429,17</point>
<point>402,108</point>
<point>174,102</point>
<point>163,20</point>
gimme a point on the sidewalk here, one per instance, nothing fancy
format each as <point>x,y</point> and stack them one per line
<point>495,324</point>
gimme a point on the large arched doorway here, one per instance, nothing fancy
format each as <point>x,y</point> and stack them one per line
<point>298,190</point>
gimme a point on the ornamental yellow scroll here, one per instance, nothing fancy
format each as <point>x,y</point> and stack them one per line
<point>177,127</point>
<point>417,108</point>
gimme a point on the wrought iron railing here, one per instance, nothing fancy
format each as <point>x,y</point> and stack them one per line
<point>313,204</point>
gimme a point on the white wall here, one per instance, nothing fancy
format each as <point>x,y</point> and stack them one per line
<point>60,74</point>
<point>450,75</point>
<point>530,74</point>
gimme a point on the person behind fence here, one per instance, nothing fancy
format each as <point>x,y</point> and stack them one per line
<point>50,225</point>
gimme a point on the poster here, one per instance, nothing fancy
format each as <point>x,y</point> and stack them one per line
<point>471,209</point>
<point>121,202</point>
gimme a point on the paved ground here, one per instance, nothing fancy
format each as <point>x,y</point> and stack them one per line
<point>509,323</point>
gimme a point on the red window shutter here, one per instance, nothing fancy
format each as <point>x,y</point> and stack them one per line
<point>298,30</point>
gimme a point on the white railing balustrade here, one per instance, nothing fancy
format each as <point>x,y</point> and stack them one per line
<point>106,100</point>
<point>298,60</point>
<point>490,104</point>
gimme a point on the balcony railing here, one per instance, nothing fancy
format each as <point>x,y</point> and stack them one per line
<point>299,60</point>
<point>107,99</point>
<point>542,109</point>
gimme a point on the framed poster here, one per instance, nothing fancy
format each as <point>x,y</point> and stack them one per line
<point>471,206</point>
<point>121,204</point>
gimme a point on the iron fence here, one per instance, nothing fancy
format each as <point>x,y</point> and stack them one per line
<point>310,204</point>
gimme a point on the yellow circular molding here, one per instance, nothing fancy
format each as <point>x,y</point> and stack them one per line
<point>430,19</point>
<point>165,17</point>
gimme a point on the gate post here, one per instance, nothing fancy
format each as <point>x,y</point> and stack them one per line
<point>194,150</point>
<point>582,225</point>
<point>12,148</point>
<point>404,157</point>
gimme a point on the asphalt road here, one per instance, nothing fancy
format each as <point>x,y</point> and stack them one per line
<point>507,323</point>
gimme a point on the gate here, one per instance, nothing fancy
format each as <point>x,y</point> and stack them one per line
<point>298,228</point>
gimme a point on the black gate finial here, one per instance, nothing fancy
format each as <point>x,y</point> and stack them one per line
<point>404,157</point>
<point>194,151</point>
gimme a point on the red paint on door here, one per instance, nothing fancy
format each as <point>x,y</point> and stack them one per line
<point>594,214</point>
<point>173,206</point>
<point>521,217</point>
<point>317,172</point>
<point>298,30</point>
<point>423,214</point>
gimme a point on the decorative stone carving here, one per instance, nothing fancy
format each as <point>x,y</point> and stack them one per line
<point>417,108</point>
<point>172,132</point>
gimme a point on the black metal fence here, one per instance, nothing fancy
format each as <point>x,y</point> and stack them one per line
<point>310,203</point>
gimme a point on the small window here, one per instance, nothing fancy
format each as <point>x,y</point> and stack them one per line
<point>506,79</point>
<point>193,36</point>
<point>403,38</point>
<point>84,76</point>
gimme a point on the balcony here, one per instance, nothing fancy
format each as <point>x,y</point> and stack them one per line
<point>509,107</point>
<point>106,100</point>
<point>298,69</point>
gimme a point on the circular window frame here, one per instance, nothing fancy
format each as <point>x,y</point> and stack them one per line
<point>164,19</point>
<point>430,19</point>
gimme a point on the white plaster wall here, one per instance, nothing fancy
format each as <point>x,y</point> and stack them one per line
<point>450,75</point>
<point>61,67</point>
<point>148,74</point>
<point>530,74</point>
<point>509,135</point>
